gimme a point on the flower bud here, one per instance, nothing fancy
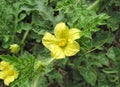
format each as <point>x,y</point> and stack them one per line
<point>14,48</point>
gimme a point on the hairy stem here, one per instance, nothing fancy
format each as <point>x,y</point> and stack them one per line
<point>36,81</point>
<point>93,6</point>
<point>23,40</point>
<point>24,37</point>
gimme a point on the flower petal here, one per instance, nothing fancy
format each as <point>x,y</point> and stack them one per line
<point>8,80</point>
<point>72,48</point>
<point>3,74</point>
<point>74,34</point>
<point>57,52</point>
<point>3,65</point>
<point>48,40</point>
<point>16,74</point>
<point>61,30</point>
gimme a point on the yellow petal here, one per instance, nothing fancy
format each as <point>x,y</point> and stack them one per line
<point>7,73</point>
<point>61,30</point>
<point>74,34</point>
<point>48,40</point>
<point>11,75</point>
<point>72,48</point>
<point>57,52</point>
<point>3,65</point>
<point>8,80</point>
<point>3,74</point>
<point>16,74</point>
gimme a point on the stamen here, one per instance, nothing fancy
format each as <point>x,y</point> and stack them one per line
<point>62,42</point>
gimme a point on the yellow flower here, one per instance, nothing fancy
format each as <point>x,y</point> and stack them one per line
<point>63,42</point>
<point>7,72</point>
<point>14,48</point>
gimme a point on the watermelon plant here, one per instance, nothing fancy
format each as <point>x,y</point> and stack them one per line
<point>60,43</point>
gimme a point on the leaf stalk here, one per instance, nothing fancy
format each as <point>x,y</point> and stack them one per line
<point>93,6</point>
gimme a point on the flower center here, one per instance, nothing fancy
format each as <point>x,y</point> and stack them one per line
<point>62,42</point>
<point>10,72</point>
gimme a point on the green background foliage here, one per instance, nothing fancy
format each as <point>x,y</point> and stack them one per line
<point>24,22</point>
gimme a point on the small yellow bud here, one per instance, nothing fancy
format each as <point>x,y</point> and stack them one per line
<point>14,48</point>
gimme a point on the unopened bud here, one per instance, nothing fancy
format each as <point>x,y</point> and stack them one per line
<point>14,48</point>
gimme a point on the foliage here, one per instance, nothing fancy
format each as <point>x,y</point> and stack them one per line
<point>97,64</point>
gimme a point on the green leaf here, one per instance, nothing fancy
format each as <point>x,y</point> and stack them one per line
<point>114,21</point>
<point>87,34</point>
<point>57,76</point>
<point>89,75</point>
<point>114,54</point>
<point>97,59</point>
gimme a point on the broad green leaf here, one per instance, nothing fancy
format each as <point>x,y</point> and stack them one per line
<point>114,21</point>
<point>89,75</point>
<point>114,54</point>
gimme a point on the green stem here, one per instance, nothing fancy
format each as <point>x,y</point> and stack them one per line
<point>36,81</point>
<point>24,37</point>
<point>15,28</point>
<point>50,61</point>
<point>23,40</point>
<point>93,5</point>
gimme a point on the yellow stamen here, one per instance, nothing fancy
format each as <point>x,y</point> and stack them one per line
<point>62,42</point>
